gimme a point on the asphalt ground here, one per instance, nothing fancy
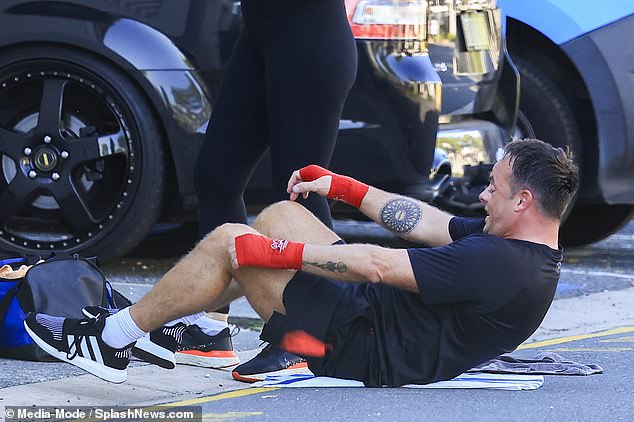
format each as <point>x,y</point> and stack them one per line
<point>603,397</point>
<point>595,295</point>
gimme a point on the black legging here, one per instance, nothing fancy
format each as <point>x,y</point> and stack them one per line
<point>284,88</point>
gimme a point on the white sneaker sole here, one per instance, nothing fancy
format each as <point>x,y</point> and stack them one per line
<point>153,353</point>
<point>206,361</point>
<point>98,369</point>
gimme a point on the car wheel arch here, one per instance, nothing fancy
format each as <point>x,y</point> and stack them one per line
<point>29,51</point>
<point>117,62</point>
<point>528,44</point>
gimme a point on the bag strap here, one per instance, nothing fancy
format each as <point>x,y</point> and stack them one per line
<point>8,297</point>
<point>10,258</point>
<point>9,261</point>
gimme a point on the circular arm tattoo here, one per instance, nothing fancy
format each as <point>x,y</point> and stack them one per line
<point>401,215</point>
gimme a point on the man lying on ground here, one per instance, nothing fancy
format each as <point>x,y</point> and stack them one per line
<point>387,317</point>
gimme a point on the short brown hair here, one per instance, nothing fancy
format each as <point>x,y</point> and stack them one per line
<point>548,172</point>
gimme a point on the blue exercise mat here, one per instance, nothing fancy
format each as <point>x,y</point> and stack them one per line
<point>466,380</point>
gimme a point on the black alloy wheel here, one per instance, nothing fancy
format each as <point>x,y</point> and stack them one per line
<point>81,156</point>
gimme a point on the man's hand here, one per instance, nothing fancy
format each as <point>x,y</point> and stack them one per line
<point>326,183</point>
<point>303,182</point>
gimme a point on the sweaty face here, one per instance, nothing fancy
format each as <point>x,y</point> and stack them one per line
<point>498,201</point>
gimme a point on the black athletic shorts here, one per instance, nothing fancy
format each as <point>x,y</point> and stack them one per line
<point>335,312</point>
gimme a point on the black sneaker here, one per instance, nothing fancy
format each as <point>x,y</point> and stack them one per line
<point>157,346</point>
<point>200,349</point>
<point>270,361</point>
<point>78,342</point>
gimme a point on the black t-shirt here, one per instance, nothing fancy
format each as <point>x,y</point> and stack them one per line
<point>480,296</point>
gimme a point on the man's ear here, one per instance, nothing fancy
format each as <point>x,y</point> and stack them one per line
<point>524,199</point>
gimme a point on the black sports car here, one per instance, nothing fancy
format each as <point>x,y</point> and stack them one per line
<point>104,104</point>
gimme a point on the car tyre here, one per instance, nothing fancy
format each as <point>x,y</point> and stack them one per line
<point>81,155</point>
<point>167,240</point>
<point>594,222</point>
<point>545,114</point>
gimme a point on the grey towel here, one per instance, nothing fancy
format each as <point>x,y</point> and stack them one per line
<point>546,363</point>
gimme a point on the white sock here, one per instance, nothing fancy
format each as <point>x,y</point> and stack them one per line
<point>187,320</point>
<point>121,330</point>
<point>210,326</point>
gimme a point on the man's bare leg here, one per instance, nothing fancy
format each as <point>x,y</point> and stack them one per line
<point>283,220</point>
<point>189,287</point>
<point>201,278</point>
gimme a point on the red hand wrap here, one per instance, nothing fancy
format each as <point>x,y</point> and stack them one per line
<point>342,188</point>
<point>259,251</point>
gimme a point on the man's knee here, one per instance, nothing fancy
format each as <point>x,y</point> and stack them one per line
<point>279,214</point>
<point>222,234</point>
<point>283,208</point>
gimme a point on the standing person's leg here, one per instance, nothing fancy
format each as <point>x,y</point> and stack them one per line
<point>197,281</point>
<point>236,138</point>
<point>311,64</point>
<point>309,72</point>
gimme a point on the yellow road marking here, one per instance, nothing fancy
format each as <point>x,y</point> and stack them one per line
<point>628,339</point>
<point>551,342</point>
<point>591,349</point>
<point>223,396</point>
<point>568,339</point>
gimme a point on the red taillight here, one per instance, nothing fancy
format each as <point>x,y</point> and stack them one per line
<point>388,19</point>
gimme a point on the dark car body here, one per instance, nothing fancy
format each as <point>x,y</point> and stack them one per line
<point>132,84</point>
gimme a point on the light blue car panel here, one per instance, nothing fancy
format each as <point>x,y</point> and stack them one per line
<point>564,20</point>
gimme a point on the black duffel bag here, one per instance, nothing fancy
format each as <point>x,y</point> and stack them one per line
<point>59,286</point>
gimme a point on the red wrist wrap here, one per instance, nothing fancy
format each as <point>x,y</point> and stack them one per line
<point>259,251</point>
<point>342,188</point>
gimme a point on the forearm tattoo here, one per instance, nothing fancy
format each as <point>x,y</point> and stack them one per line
<point>401,215</point>
<point>333,267</point>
